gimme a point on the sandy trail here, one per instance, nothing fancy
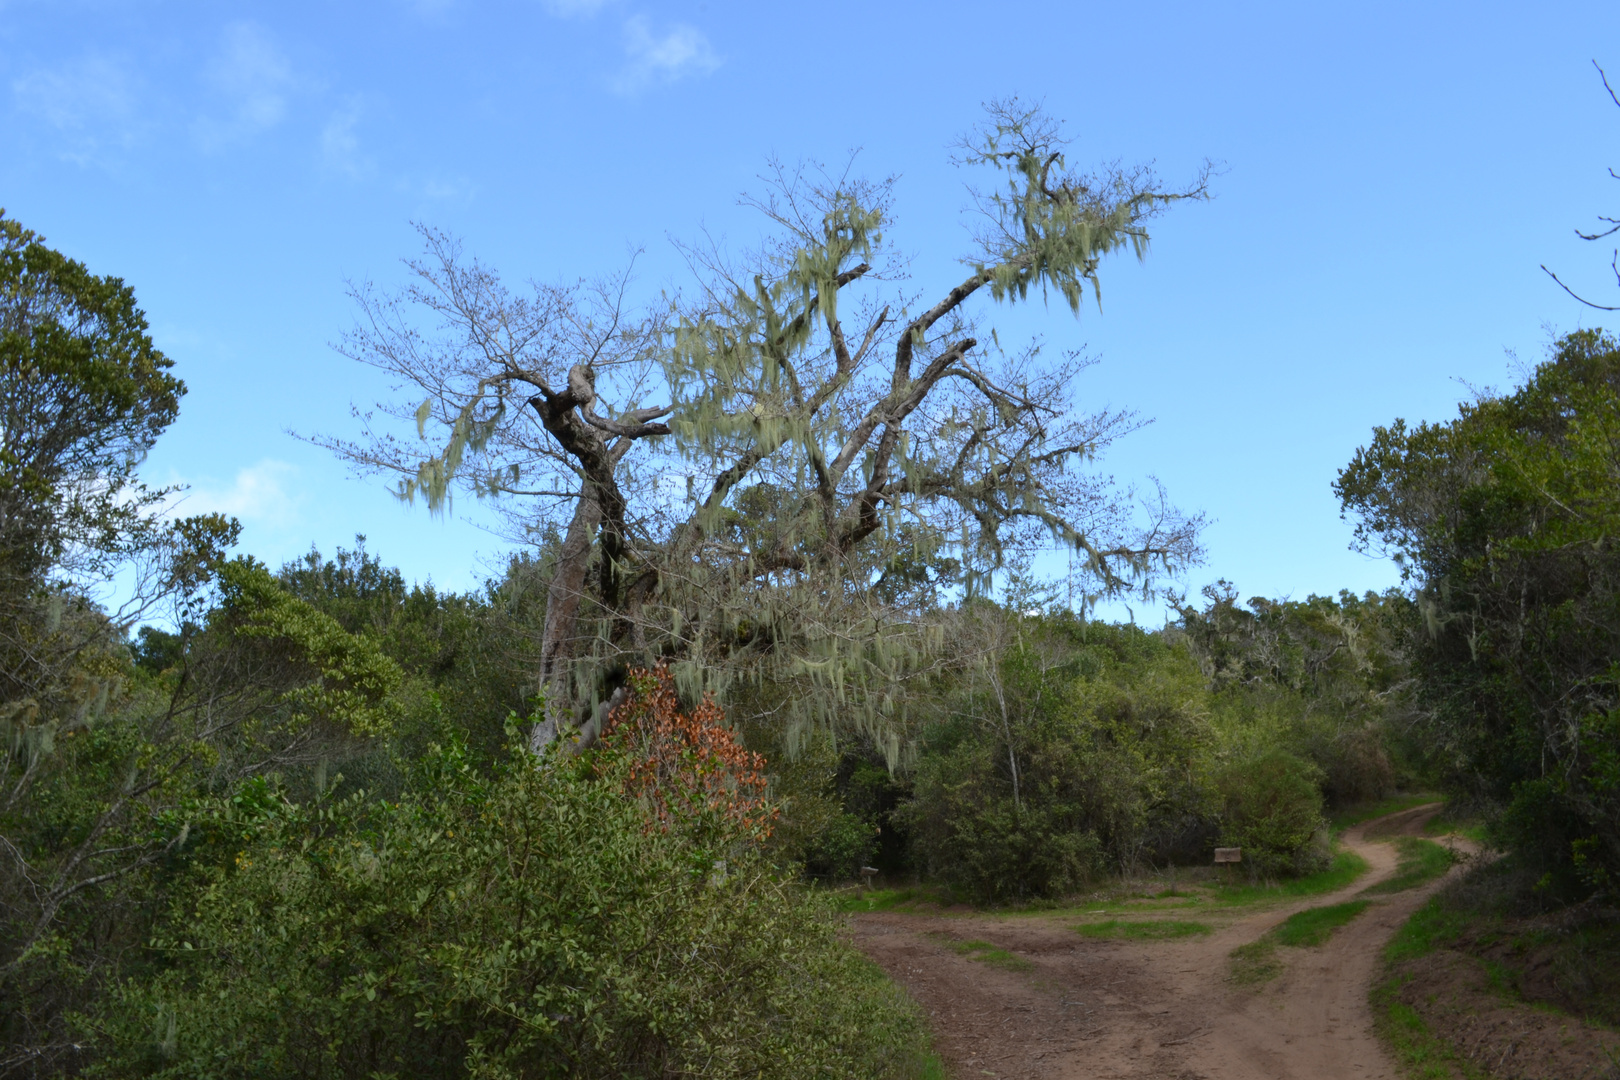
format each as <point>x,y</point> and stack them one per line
<point>1155,1009</point>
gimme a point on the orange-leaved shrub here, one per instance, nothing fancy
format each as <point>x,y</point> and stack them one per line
<point>686,766</point>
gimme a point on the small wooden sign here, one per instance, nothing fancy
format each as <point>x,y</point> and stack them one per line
<point>1228,854</point>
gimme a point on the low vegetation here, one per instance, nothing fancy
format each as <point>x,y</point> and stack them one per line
<point>986,953</point>
<point>1313,926</point>
<point>1421,861</point>
<point>1144,930</point>
<point>1258,962</point>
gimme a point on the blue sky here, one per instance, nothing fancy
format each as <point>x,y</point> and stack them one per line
<point>1394,175</point>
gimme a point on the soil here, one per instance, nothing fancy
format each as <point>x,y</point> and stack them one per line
<point>1117,1009</point>
<point>1501,1037</point>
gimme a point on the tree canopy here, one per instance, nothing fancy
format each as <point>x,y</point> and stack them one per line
<point>1505,521</point>
<point>721,481</point>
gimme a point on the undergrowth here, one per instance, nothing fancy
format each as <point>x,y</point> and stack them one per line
<point>1421,1054</point>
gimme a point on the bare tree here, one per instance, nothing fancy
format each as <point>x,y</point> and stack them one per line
<point>725,480</point>
<point>1608,226</point>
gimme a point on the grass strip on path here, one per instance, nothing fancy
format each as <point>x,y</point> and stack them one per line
<point>1144,930</point>
<point>1443,823</point>
<point>1313,926</point>
<point>984,953</point>
<point>1421,861</point>
<point>1257,962</point>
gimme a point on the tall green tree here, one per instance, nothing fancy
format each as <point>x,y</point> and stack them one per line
<point>84,394</point>
<point>720,481</point>
<point>1505,521</point>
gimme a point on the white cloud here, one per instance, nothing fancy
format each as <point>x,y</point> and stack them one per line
<point>654,58</point>
<point>261,494</point>
<point>253,80</point>
<point>91,102</point>
<point>340,146</point>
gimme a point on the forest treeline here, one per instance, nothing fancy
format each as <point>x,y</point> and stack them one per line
<point>317,820</point>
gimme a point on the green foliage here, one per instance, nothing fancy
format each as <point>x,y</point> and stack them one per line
<point>843,846</point>
<point>1073,748</point>
<point>1065,749</point>
<point>1318,677</point>
<point>1505,519</point>
<point>476,649</point>
<point>1272,809</point>
<point>526,924</point>
<point>103,807</point>
<point>995,852</point>
<point>350,679</point>
<point>83,395</point>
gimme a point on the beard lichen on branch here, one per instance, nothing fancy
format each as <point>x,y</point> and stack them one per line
<point>769,481</point>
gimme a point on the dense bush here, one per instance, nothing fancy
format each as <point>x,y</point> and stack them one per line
<point>1271,807</point>
<point>1092,766</point>
<point>1075,750</point>
<point>968,832</point>
<point>533,923</point>
<point>1505,518</point>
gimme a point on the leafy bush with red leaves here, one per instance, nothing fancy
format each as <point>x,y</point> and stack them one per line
<point>687,767</point>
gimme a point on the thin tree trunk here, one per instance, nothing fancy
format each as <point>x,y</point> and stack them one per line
<point>1006,730</point>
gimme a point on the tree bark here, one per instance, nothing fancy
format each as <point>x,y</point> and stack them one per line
<point>562,615</point>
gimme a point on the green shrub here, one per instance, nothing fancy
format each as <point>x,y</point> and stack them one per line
<point>533,924</point>
<point>1272,809</point>
<point>846,843</point>
<point>989,848</point>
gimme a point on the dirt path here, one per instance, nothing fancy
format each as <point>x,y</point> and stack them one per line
<point>1093,1008</point>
